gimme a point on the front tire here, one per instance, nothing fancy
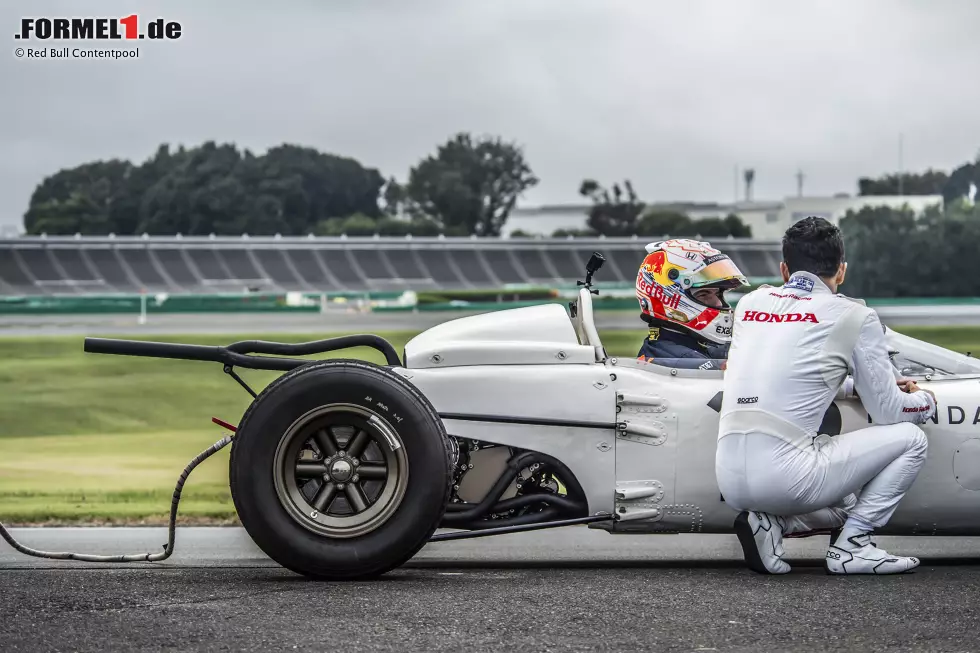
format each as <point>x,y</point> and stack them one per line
<point>341,470</point>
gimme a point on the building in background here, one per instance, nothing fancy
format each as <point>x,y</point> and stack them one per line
<point>768,219</point>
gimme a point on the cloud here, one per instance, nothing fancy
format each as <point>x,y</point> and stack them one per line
<point>671,95</point>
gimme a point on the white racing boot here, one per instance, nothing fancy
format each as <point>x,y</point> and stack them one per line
<point>761,537</point>
<point>853,552</point>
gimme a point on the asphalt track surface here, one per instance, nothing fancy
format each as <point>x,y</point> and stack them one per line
<point>364,322</point>
<point>570,589</point>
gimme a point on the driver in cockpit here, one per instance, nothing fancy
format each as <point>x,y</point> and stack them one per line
<point>681,288</point>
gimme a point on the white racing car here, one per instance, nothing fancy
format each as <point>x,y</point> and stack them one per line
<point>518,420</point>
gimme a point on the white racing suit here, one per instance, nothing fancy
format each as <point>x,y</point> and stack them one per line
<point>792,350</point>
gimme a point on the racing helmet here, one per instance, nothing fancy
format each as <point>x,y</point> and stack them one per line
<point>682,283</point>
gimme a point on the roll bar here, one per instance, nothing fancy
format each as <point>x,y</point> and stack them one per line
<point>239,354</point>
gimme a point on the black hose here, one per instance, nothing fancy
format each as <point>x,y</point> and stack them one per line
<point>482,509</point>
<point>457,514</point>
<point>548,514</point>
<point>519,502</point>
<point>566,506</point>
<point>168,548</point>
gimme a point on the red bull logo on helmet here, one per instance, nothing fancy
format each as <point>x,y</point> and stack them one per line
<point>655,262</point>
<point>669,300</point>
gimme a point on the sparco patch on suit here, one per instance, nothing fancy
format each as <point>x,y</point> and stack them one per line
<point>801,283</point>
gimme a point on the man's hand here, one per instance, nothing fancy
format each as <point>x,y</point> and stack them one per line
<point>910,386</point>
<point>907,385</point>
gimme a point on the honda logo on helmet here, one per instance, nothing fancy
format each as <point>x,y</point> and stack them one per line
<point>761,316</point>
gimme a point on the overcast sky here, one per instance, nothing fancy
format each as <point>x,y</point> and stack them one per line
<point>673,95</point>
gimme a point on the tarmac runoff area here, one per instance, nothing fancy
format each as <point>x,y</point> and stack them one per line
<point>570,589</point>
<point>365,322</point>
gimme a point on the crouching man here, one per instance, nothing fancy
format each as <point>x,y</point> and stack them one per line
<point>792,349</point>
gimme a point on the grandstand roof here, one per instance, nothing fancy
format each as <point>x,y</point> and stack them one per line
<point>201,264</point>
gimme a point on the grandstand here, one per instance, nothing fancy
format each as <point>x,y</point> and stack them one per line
<point>202,265</point>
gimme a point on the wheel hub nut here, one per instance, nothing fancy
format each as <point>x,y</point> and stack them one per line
<point>341,471</point>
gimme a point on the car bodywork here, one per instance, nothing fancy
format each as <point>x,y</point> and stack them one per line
<point>517,420</point>
<point>640,437</point>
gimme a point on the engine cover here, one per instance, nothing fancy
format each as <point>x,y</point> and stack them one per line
<point>533,335</point>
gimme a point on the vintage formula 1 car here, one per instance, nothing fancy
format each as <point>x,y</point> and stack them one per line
<point>518,420</point>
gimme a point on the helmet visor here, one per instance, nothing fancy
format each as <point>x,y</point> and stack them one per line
<point>720,272</point>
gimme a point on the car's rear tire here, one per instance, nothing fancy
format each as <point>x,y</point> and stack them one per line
<point>341,470</point>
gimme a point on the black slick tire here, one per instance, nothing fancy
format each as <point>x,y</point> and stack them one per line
<point>278,533</point>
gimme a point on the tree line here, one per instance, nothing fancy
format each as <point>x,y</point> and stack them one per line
<point>467,186</point>
<point>897,253</point>
<point>952,186</point>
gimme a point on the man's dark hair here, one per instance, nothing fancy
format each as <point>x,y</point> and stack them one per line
<point>813,245</point>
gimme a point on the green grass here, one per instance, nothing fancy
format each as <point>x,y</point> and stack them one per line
<point>97,438</point>
<point>49,386</point>
<point>122,477</point>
